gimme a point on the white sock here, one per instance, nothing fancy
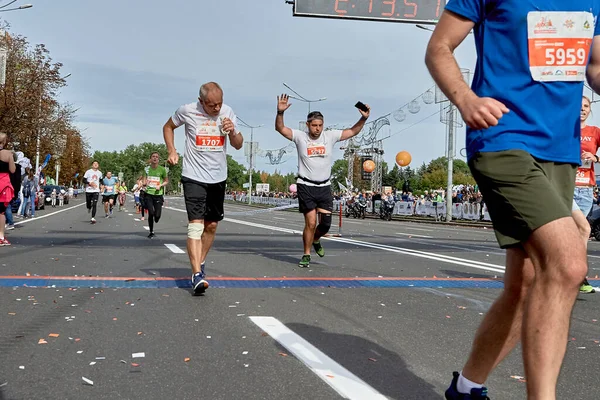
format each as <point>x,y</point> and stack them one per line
<point>464,385</point>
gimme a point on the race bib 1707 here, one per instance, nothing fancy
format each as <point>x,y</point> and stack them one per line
<point>559,44</point>
<point>209,138</point>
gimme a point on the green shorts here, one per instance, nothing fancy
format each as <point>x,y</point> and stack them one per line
<point>522,193</point>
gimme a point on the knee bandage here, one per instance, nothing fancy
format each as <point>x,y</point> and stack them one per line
<point>195,231</point>
<point>325,224</point>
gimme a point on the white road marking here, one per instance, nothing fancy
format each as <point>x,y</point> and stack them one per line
<point>146,228</point>
<point>412,234</point>
<point>399,250</point>
<point>174,249</point>
<point>418,229</point>
<point>348,385</point>
<point>47,215</point>
<point>131,215</point>
<point>284,219</point>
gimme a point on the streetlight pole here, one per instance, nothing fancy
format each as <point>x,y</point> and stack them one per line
<point>302,98</point>
<point>23,7</point>
<point>251,157</point>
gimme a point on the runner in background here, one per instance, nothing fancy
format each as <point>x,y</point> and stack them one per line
<point>583,198</point>
<point>109,184</point>
<point>208,125</point>
<point>7,167</point>
<point>142,195</point>
<point>91,180</point>
<point>315,159</point>
<point>122,193</point>
<point>155,180</point>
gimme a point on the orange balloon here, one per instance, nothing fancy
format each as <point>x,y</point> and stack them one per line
<point>403,158</point>
<point>369,166</point>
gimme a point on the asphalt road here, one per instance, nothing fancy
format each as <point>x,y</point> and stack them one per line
<point>389,312</point>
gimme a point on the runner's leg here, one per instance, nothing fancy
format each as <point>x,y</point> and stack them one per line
<point>94,203</point>
<point>150,207</point>
<point>310,224</point>
<point>500,330</point>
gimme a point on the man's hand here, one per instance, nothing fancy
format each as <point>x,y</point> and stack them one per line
<point>282,103</point>
<point>586,155</point>
<point>228,126</point>
<point>365,114</point>
<point>173,157</point>
<point>482,112</point>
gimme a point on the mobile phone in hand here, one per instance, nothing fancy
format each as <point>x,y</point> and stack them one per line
<point>360,105</point>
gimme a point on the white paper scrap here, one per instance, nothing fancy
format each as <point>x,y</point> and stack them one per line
<point>138,355</point>
<point>86,380</point>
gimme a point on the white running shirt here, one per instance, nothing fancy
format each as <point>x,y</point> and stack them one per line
<point>315,157</point>
<point>92,176</point>
<point>205,155</point>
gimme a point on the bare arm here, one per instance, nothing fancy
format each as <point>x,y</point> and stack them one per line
<point>449,33</point>
<point>169,136</point>
<point>236,140</point>
<point>593,68</point>
<point>348,133</point>
<point>477,112</point>
<point>282,105</point>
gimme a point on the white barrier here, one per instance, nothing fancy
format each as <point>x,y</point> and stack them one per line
<point>465,211</point>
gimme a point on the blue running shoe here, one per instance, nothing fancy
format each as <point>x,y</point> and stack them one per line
<point>453,394</point>
<point>199,284</point>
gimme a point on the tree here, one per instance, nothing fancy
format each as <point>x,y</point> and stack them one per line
<point>235,174</point>
<point>29,108</point>
<point>339,173</point>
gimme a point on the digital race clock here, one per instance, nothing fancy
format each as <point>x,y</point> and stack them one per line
<point>408,11</point>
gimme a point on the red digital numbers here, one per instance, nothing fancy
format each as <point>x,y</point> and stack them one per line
<point>390,3</point>
<point>337,6</point>
<point>385,8</point>
<point>415,8</point>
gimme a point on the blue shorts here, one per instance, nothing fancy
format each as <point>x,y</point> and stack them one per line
<point>583,199</point>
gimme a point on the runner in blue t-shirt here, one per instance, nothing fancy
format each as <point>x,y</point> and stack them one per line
<point>522,114</point>
<point>109,193</point>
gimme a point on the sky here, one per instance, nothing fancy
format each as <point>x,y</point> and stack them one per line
<point>133,63</point>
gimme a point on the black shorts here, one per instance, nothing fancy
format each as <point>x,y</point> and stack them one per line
<point>313,197</point>
<point>105,199</point>
<point>154,201</point>
<point>91,196</point>
<point>203,201</point>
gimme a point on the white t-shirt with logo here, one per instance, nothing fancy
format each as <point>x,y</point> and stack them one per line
<point>315,157</point>
<point>93,176</point>
<point>205,155</point>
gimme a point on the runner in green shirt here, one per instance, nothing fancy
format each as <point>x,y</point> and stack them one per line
<point>155,179</point>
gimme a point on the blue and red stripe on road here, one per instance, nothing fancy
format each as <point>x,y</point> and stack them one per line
<point>247,282</point>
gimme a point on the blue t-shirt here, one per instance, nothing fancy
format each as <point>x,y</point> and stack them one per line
<point>109,186</point>
<point>544,116</point>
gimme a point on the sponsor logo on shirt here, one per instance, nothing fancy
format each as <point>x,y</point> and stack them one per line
<point>544,25</point>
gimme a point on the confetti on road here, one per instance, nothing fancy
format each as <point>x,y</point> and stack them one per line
<point>209,337</point>
<point>42,341</point>
<point>80,351</point>
<point>100,358</point>
<point>3,384</point>
<point>447,316</point>
<point>21,367</point>
<point>244,352</point>
<point>138,355</point>
<point>581,348</point>
<point>12,313</point>
<point>115,318</point>
<point>139,333</point>
<point>54,335</point>
<point>517,377</point>
<point>135,364</point>
<point>86,380</point>
<point>283,354</point>
<point>93,363</point>
<point>187,359</point>
<point>330,376</point>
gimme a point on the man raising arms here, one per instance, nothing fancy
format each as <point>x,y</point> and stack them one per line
<point>315,158</point>
<point>523,135</point>
<point>208,125</point>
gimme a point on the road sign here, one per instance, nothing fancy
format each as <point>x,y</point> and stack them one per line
<point>407,11</point>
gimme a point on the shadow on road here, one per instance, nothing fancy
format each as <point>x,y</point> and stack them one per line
<point>388,374</point>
